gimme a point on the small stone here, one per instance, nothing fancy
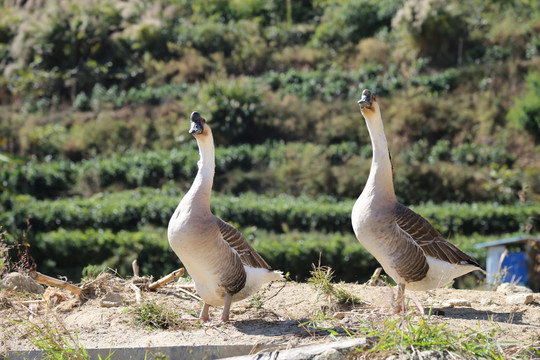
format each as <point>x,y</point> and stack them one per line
<point>520,299</point>
<point>19,282</point>
<point>509,288</point>
<point>458,302</point>
<point>427,355</point>
<point>112,299</point>
<point>486,301</point>
<point>341,314</point>
<point>331,354</point>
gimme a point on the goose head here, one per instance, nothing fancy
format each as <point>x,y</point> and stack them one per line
<point>199,127</point>
<point>368,104</point>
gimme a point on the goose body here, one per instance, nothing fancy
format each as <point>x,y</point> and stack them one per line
<point>408,247</point>
<point>223,265</point>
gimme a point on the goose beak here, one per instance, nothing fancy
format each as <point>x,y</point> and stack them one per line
<point>196,124</point>
<point>366,101</point>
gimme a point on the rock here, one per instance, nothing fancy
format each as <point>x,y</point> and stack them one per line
<point>20,282</point>
<point>486,301</point>
<point>457,302</point>
<point>112,299</point>
<point>508,288</point>
<point>331,354</point>
<point>341,314</point>
<point>427,355</point>
<point>336,350</point>
<point>520,299</point>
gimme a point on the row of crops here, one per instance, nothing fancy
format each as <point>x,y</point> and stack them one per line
<point>339,170</point>
<point>112,229</point>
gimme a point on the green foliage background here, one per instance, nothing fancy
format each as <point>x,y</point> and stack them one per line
<point>95,100</point>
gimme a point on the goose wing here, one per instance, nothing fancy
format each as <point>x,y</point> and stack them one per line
<point>426,237</point>
<point>238,242</point>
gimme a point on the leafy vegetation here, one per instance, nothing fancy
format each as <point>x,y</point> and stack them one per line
<point>154,316</point>
<point>55,341</point>
<point>129,210</point>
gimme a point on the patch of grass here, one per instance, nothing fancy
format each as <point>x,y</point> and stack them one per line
<point>256,300</point>
<point>55,341</point>
<point>159,316</point>
<point>411,336</point>
<point>4,248</point>
<point>321,279</point>
<point>90,272</point>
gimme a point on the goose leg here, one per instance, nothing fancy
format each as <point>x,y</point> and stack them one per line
<point>204,313</point>
<point>226,307</point>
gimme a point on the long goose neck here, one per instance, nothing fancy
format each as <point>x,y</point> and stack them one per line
<point>201,189</point>
<point>380,182</point>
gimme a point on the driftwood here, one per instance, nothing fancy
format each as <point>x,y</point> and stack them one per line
<point>189,293</point>
<point>166,279</point>
<point>137,293</point>
<point>47,280</point>
<point>135,268</point>
<point>374,277</point>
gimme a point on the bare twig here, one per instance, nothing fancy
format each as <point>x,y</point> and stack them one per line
<point>47,280</point>
<point>185,286</point>
<point>135,268</point>
<point>137,293</point>
<point>374,277</point>
<point>166,279</point>
<point>179,288</point>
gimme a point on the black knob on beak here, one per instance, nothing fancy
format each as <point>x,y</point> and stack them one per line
<point>366,99</point>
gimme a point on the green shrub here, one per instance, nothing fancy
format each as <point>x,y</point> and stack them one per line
<point>349,21</point>
<point>42,180</point>
<point>129,210</point>
<point>433,28</point>
<point>71,44</point>
<point>67,253</point>
<point>233,107</point>
<point>526,111</point>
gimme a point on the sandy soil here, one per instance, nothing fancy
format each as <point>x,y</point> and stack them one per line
<point>279,315</point>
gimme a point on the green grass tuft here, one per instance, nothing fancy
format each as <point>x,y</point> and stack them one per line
<point>159,316</point>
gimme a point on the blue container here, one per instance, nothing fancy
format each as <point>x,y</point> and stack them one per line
<point>517,266</point>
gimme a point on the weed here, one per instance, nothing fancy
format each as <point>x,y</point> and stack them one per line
<point>4,248</point>
<point>257,299</point>
<point>90,272</point>
<point>321,279</point>
<point>158,316</point>
<point>55,341</point>
<point>345,297</point>
<point>410,335</point>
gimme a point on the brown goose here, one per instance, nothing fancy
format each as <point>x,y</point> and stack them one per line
<point>224,267</point>
<point>408,247</point>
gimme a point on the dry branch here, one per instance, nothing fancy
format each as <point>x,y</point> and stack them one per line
<point>374,277</point>
<point>135,268</point>
<point>188,293</point>
<point>166,279</point>
<point>47,280</point>
<point>137,293</point>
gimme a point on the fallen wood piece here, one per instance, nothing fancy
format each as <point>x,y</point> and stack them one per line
<point>166,279</point>
<point>135,268</point>
<point>137,294</point>
<point>47,280</point>
<point>185,285</point>
<point>189,293</point>
<point>374,277</point>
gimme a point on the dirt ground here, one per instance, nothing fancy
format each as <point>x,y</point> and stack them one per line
<point>279,315</point>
